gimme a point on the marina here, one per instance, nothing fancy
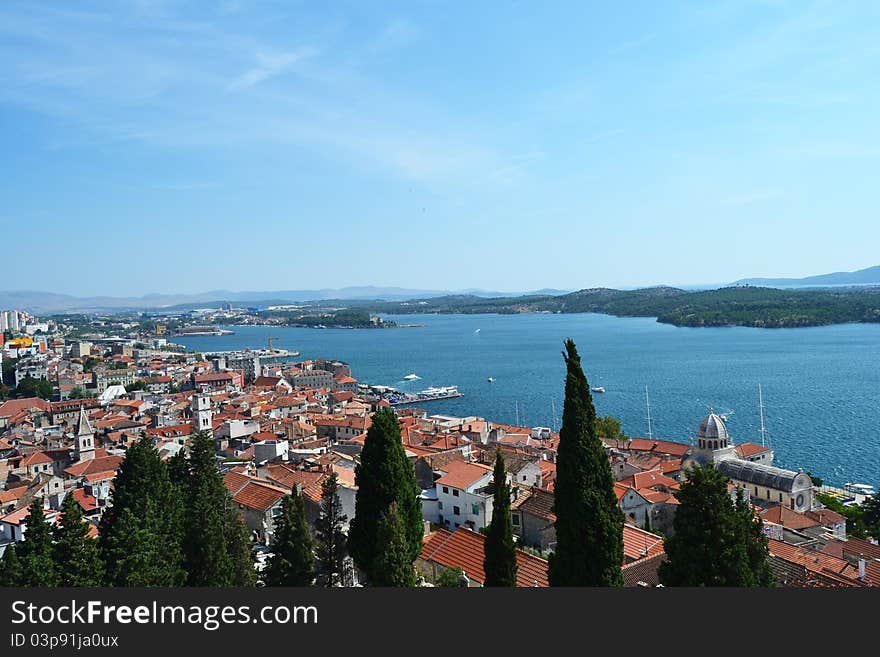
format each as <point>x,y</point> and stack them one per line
<point>397,398</point>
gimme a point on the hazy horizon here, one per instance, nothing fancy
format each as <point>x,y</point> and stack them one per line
<point>159,146</point>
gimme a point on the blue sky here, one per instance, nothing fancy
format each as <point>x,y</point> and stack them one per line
<point>161,146</point>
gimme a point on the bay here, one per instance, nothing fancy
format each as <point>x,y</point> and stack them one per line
<point>821,385</point>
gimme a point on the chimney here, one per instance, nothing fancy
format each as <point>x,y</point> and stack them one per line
<point>861,570</point>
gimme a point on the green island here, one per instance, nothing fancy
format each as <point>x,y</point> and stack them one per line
<point>338,319</point>
<point>759,307</point>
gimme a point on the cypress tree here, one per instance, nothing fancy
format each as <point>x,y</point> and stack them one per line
<point>329,537</point>
<point>76,553</point>
<point>384,477</point>
<point>241,549</point>
<point>206,555</point>
<point>141,533</point>
<point>292,562</point>
<point>36,552</point>
<point>589,523</point>
<point>10,568</point>
<point>499,558</point>
<point>715,541</point>
<point>394,565</point>
<point>755,540</point>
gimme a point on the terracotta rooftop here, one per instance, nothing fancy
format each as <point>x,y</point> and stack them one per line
<point>745,450</point>
<point>462,474</point>
<point>638,543</point>
<point>463,548</point>
<point>260,496</point>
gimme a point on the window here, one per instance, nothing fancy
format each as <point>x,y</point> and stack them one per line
<point>475,509</point>
<point>454,492</point>
<point>439,505</point>
<point>514,519</point>
<point>524,477</point>
<point>456,512</point>
<point>446,489</point>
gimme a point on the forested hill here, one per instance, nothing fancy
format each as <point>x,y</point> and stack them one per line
<point>728,306</point>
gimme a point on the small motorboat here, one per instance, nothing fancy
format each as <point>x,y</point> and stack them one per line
<point>491,379</point>
<point>412,377</point>
<point>598,389</point>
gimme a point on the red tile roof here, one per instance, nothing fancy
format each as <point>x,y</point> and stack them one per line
<point>812,560</point>
<point>638,543</point>
<point>35,459</point>
<point>463,548</point>
<point>260,496</point>
<point>746,450</point>
<point>461,474</point>
<point>95,465</point>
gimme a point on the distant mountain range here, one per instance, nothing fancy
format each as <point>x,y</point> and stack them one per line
<point>38,302</point>
<point>869,276</point>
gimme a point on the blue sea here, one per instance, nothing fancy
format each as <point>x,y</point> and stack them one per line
<point>821,386</point>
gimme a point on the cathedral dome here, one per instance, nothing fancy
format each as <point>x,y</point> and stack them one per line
<point>712,434</point>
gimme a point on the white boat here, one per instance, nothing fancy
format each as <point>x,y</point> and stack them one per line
<point>412,377</point>
<point>861,489</point>
<point>598,389</point>
<point>491,379</point>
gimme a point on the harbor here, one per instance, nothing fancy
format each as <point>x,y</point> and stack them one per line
<point>397,398</point>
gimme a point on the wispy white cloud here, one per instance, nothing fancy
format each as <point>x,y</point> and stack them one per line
<point>177,81</point>
<point>271,65</point>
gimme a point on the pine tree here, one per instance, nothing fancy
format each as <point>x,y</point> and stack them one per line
<point>206,555</point>
<point>717,542</point>
<point>394,566</point>
<point>141,533</point>
<point>241,549</point>
<point>589,523</point>
<point>871,515</point>
<point>36,553</point>
<point>292,562</point>
<point>755,540</point>
<point>10,568</point>
<point>329,537</point>
<point>499,559</point>
<point>384,477</point>
<point>178,470</point>
<point>76,553</point>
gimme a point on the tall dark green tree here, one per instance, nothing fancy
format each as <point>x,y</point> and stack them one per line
<point>751,531</point>
<point>141,533</point>
<point>293,561</point>
<point>76,554</point>
<point>589,524</point>
<point>206,554</point>
<point>384,477</point>
<point>10,568</point>
<point>330,538</point>
<point>499,550</point>
<point>240,546</point>
<point>36,552</point>
<point>716,540</point>
<point>394,566</point>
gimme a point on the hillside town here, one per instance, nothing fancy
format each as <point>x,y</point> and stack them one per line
<point>283,425</point>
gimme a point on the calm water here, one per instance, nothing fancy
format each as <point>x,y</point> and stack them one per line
<point>821,385</point>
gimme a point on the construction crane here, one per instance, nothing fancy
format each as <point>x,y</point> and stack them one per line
<point>270,342</point>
